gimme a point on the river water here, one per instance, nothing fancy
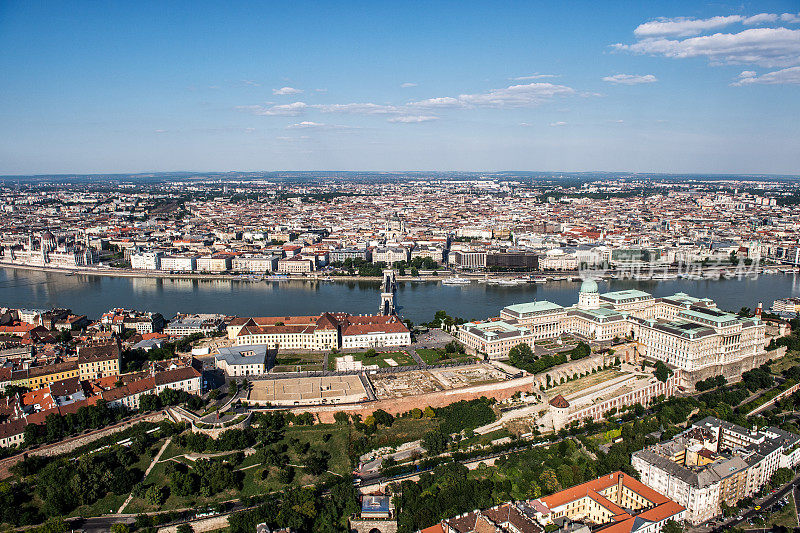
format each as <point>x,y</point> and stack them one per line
<point>93,295</point>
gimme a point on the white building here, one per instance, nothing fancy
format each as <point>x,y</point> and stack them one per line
<point>242,360</point>
<point>714,462</point>
<point>686,332</point>
<point>146,260</point>
<point>256,264</point>
<point>179,263</point>
<point>214,263</point>
<point>389,255</point>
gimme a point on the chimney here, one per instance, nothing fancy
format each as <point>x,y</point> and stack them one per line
<point>759,308</point>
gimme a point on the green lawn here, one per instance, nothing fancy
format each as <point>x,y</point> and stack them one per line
<point>299,362</point>
<point>401,358</point>
<point>435,357</point>
<point>404,430</point>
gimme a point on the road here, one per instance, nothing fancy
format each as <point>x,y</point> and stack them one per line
<point>765,503</point>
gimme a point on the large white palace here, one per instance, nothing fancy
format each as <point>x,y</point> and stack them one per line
<point>48,251</point>
<point>686,332</point>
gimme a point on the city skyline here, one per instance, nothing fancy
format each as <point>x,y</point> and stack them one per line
<point>672,88</point>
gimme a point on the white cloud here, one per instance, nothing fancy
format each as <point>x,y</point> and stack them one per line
<point>161,131</point>
<point>293,109</point>
<point>769,47</point>
<point>682,26</point>
<point>413,119</point>
<point>789,75</point>
<point>513,96</point>
<point>251,83</point>
<point>761,18</point>
<point>306,124</point>
<point>249,130</point>
<point>559,123</point>
<point>630,79</point>
<point>283,91</point>
<point>535,76</point>
<point>358,109</point>
<point>292,139</point>
<point>407,84</point>
<point>309,125</point>
<point>791,18</point>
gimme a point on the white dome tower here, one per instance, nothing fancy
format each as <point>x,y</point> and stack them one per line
<point>589,296</point>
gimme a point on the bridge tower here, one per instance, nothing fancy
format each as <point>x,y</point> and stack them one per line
<point>388,289</point>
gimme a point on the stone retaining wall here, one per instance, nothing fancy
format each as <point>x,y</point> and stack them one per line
<point>395,406</point>
<point>733,371</point>
<point>207,524</point>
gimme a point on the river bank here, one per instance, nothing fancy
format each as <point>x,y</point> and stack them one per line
<point>419,300</point>
<point>562,275</point>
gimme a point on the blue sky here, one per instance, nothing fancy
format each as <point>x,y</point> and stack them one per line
<point>570,86</point>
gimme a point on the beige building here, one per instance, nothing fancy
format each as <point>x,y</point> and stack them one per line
<point>714,462</point>
<point>295,265</point>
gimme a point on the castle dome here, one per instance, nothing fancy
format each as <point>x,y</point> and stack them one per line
<point>589,286</point>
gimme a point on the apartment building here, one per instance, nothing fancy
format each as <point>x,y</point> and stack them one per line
<point>714,462</point>
<point>99,361</point>
<point>214,263</point>
<point>146,260</point>
<point>342,254</point>
<point>257,264</point>
<point>183,325</point>
<point>39,376</point>
<point>187,378</point>
<point>296,264</point>
<point>179,263</point>
<point>118,320</point>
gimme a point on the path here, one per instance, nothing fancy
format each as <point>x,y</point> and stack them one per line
<point>147,472</point>
<point>417,358</point>
<point>522,412</point>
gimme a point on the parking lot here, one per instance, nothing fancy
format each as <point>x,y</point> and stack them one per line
<point>434,338</point>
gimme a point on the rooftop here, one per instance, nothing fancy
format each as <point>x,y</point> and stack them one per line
<point>628,294</point>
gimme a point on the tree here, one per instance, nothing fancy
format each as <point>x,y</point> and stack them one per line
<point>185,528</point>
<point>435,442</point>
<point>341,417</point>
<point>781,477</point>
<point>671,526</point>
<point>383,418</point>
<point>155,496</point>
<point>581,351</point>
<point>120,528</point>
<point>370,353</point>
<point>662,372</point>
<point>53,525</point>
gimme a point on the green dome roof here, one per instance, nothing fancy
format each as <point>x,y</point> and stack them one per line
<point>589,285</point>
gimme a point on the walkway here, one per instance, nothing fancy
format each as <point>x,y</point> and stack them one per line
<point>147,472</point>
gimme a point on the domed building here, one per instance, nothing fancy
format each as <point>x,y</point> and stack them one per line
<point>48,242</point>
<point>589,295</point>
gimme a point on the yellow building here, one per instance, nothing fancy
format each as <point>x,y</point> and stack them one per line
<point>99,361</point>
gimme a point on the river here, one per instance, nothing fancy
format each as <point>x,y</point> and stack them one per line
<point>93,295</point>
